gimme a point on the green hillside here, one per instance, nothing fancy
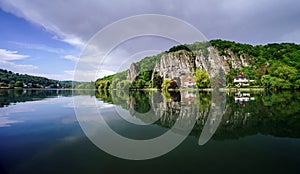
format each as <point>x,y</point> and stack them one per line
<point>9,79</point>
<point>275,65</point>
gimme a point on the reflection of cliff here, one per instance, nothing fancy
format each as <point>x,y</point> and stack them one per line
<point>173,110</point>
<point>276,114</point>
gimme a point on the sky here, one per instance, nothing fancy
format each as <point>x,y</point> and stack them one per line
<point>46,38</point>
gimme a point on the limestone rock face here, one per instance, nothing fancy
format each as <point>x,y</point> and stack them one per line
<point>176,65</point>
<point>237,62</point>
<point>181,64</point>
<point>133,72</point>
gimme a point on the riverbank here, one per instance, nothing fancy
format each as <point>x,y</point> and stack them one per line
<point>202,89</point>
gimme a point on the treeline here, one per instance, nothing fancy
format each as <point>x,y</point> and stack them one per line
<point>275,66</point>
<point>9,79</point>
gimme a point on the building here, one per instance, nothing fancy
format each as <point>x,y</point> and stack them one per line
<point>189,82</point>
<point>240,78</point>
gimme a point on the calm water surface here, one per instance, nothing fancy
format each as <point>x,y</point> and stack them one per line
<point>40,133</point>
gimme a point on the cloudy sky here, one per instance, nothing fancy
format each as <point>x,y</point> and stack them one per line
<point>46,37</point>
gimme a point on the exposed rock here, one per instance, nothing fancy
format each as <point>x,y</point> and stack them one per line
<point>133,72</point>
<point>237,62</point>
<point>176,65</point>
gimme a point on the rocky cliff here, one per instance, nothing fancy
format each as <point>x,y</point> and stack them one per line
<point>177,65</point>
<point>133,72</point>
<point>181,64</point>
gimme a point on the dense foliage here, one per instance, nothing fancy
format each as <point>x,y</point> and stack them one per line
<point>202,79</point>
<point>280,61</point>
<point>169,84</point>
<point>9,79</point>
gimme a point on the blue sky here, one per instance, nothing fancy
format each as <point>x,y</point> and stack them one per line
<point>41,53</point>
<point>46,37</point>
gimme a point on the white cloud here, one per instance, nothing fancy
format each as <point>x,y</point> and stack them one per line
<point>72,40</point>
<point>103,73</point>
<point>21,68</point>
<point>6,61</point>
<point>40,47</point>
<point>76,21</point>
<point>71,57</point>
<point>63,76</point>
<point>38,13</point>
<point>11,55</point>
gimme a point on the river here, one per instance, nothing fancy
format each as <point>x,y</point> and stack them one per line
<point>50,131</point>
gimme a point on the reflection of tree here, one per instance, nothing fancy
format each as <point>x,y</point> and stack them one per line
<point>204,100</point>
<point>8,96</point>
<point>141,101</point>
<point>171,95</point>
<point>105,95</point>
<point>276,114</point>
<point>121,98</point>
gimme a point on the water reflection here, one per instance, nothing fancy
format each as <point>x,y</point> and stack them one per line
<point>269,113</point>
<point>12,96</point>
<point>44,136</point>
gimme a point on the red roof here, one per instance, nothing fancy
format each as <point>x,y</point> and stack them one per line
<point>240,75</point>
<point>189,79</point>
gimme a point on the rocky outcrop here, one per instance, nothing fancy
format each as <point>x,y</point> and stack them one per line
<point>176,65</point>
<point>181,64</point>
<point>133,72</point>
<point>236,61</point>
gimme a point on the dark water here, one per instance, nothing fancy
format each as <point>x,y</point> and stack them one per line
<point>260,133</point>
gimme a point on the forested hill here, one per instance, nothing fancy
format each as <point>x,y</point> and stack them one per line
<point>286,53</point>
<point>275,66</point>
<point>9,79</point>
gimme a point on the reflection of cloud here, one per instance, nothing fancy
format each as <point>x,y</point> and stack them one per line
<point>68,120</point>
<point>70,138</point>
<point>6,120</point>
<point>87,109</point>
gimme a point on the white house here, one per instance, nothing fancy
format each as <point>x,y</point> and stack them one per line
<point>189,82</point>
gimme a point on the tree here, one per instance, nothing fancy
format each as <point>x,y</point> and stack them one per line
<point>283,76</point>
<point>202,79</point>
<point>169,83</point>
<point>278,83</point>
<point>157,81</point>
<point>266,81</point>
<point>19,84</point>
<point>124,84</point>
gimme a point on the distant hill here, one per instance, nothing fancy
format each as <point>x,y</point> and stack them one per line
<point>9,79</point>
<point>275,66</point>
